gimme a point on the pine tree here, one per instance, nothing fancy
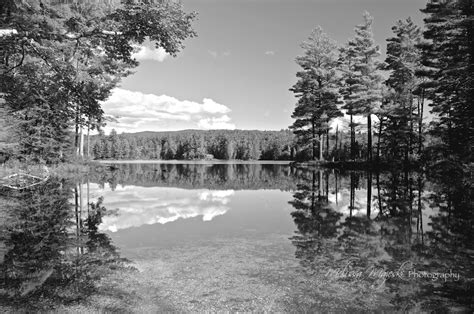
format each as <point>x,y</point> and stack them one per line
<point>348,87</point>
<point>448,57</point>
<point>365,79</point>
<point>403,60</point>
<point>316,90</point>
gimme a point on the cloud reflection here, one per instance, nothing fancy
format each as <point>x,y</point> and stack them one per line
<point>139,206</point>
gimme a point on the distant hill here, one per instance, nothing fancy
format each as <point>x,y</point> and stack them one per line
<point>198,131</point>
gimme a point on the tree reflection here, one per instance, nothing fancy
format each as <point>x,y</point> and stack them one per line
<point>54,252</point>
<point>209,176</point>
<point>316,220</point>
<point>424,225</point>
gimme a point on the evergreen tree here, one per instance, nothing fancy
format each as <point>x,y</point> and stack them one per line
<point>366,79</point>
<point>348,87</point>
<point>448,57</point>
<point>316,89</point>
<point>403,58</point>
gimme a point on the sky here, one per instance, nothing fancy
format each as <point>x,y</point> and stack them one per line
<point>236,74</point>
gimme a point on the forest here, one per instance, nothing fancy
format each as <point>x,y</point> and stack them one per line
<point>424,69</point>
<point>216,144</point>
<point>60,59</point>
<point>195,144</point>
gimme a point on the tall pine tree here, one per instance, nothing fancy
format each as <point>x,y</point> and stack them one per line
<point>316,89</point>
<point>448,55</point>
<point>403,60</point>
<point>365,79</point>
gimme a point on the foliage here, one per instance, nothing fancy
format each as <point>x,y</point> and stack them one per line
<point>54,253</point>
<point>195,144</point>
<point>82,49</point>
<point>363,80</point>
<point>316,90</point>
<point>436,69</point>
<point>399,108</point>
<point>447,55</point>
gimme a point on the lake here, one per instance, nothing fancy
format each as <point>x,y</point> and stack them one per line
<point>238,237</point>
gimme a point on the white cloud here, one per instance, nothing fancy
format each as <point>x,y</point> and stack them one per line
<point>136,111</point>
<point>216,54</point>
<point>222,122</point>
<point>344,122</point>
<point>270,53</point>
<point>150,53</point>
<point>212,53</point>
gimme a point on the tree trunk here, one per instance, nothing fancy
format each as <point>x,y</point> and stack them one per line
<point>80,213</point>
<point>81,142</point>
<point>341,140</point>
<point>352,139</point>
<point>327,186</point>
<point>327,143</point>
<point>420,122</point>
<point>378,194</point>
<point>76,207</point>
<point>88,141</point>
<point>420,207</point>
<point>76,136</point>
<point>352,192</point>
<point>320,182</point>
<point>337,137</point>
<point>369,193</point>
<point>369,138</point>
<point>314,140</point>
<point>409,148</point>
<point>88,197</point>
<point>313,191</point>
<point>378,140</point>
<point>320,148</point>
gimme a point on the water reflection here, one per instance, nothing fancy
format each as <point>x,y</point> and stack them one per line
<point>352,232</point>
<point>412,248</point>
<point>53,252</point>
<point>201,176</point>
<point>151,205</point>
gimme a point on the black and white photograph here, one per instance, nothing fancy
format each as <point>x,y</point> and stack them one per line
<point>229,156</point>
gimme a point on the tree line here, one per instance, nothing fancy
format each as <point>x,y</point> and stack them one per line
<point>196,144</point>
<point>218,144</point>
<point>248,176</point>
<point>431,67</point>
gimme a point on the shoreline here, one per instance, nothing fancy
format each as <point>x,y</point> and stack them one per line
<point>357,165</point>
<point>191,162</point>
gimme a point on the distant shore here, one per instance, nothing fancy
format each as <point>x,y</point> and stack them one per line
<point>203,162</point>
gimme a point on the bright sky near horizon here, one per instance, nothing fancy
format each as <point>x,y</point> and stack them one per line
<point>238,71</point>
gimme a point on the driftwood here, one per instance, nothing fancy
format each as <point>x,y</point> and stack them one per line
<point>20,181</point>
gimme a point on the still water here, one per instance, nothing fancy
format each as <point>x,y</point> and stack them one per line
<point>238,237</point>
